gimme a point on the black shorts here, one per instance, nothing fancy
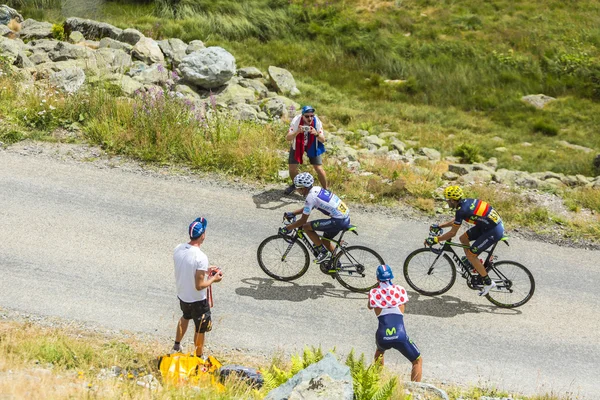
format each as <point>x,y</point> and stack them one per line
<point>318,160</point>
<point>199,311</point>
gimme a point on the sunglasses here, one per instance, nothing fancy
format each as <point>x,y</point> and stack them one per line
<point>309,116</point>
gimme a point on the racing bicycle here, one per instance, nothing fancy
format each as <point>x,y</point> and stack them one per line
<point>287,257</point>
<point>432,271</point>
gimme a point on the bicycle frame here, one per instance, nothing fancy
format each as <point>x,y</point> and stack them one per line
<point>466,273</point>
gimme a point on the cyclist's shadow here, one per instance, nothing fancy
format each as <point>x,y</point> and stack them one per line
<point>264,289</point>
<point>445,306</point>
<point>273,199</point>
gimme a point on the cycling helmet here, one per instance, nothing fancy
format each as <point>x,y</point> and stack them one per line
<point>197,228</point>
<point>453,193</point>
<point>384,273</point>
<point>307,109</point>
<point>304,180</point>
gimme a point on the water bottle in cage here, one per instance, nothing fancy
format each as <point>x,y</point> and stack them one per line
<point>343,243</point>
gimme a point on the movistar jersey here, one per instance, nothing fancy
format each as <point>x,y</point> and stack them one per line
<point>476,212</point>
<point>326,202</point>
<point>391,326</point>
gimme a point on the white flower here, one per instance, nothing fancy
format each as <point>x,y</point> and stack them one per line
<point>52,107</point>
<point>42,112</point>
<point>43,101</point>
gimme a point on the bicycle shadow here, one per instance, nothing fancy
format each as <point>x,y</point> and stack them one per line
<point>446,306</point>
<point>274,199</point>
<point>270,289</point>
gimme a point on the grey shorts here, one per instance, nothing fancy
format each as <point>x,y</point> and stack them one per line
<point>313,160</point>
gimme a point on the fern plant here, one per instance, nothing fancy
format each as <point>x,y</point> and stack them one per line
<point>367,379</point>
<point>276,376</point>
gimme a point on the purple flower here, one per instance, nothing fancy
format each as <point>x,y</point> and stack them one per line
<point>174,76</point>
<point>160,68</point>
<point>213,100</point>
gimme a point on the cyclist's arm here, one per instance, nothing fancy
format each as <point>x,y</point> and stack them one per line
<point>447,224</point>
<point>299,222</point>
<point>401,307</point>
<point>450,234</point>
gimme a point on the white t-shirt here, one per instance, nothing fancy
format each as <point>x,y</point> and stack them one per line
<point>295,124</point>
<point>326,202</point>
<point>187,260</point>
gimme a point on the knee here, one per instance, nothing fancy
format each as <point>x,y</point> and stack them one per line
<point>418,362</point>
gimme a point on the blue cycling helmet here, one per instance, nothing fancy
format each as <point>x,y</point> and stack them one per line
<point>384,273</point>
<point>307,109</point>
<point>197,228</point>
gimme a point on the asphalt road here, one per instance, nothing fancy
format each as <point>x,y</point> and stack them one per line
<point>95,244</point>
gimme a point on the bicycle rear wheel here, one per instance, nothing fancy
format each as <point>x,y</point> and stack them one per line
<point>515,284</point>
<point>429,273</point>
<point>356,268</point>
<point>283,259</point>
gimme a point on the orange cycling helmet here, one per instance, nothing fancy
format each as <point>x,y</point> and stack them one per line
<point>453,193</point>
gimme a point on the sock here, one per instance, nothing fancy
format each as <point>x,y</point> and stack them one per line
<point>177,345</point>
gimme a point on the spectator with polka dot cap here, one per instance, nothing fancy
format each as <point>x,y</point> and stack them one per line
<point>387,300</point>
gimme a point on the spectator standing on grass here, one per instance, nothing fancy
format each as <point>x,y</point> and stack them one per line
<point>387,300</point>
<point>306,136</point>
<point>193,277</point>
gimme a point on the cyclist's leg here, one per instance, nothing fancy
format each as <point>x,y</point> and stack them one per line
<point>483,242</point>
<point>475,233</point>
<point>330,228</point>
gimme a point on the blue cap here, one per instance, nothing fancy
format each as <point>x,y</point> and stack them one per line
<point>307,109</point>
<point>384,273</point>
<point>197,228</point>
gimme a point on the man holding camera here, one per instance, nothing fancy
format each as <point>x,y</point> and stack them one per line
<point>193,277</point>
<point>306,135</point>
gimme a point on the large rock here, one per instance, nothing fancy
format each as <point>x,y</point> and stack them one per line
<point>208,68</point>
<point>398,145</point>
<point>32,29</point>
<point>278,106</point>
<point>69,80</point>
<point>234,93</point>
<point>329,366</point>
<point>109,43</point>
<point>258,87</point>
<point>283,81</point>
<point>243,112</point>
<point>7,14</point>
<point>571,146</point>
<point>128,85</point>
<point>460,169</point>
<point>537,100</point>
<point>173,49</point>
<point>67,51</point>
<point>148,74</point>
<point>148,51</point>
<point>39,58</point>
<point>420,390</point>
<point>112,60</point>
<point>250,73</point>
<point>9,49</point>
<point>431,154</point>
<point>130,36</point>
<point>195,45</point>
<point>321,387</point>
<point>91,29</point>
<point>43,45</point>
<point>76,37</point>
<point>5,31</point>
<point>372,140</point>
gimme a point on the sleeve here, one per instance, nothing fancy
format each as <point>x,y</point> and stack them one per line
<point>309,204</point>
<point>202,262</point>
<point>459,217</point>
<point>294,124</point>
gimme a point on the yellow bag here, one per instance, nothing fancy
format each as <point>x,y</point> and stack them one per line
<point>179,368</point>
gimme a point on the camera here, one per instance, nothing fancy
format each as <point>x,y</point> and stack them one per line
<point>305,128</point>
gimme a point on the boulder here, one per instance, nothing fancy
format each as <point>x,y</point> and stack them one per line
<point>43,45</point>
<point>112,60</point>
<point>108,43</point>
<point>91,29</point>
<point>76,37</point>
<point>234,93</point>
<point>277,106</point>
<point>282,80</point>
<point>529,182</point>
<point>327,366</point>
<point>130,36</point>
<point>208,68</point>
<point>373,140</point>
<point>450,176</point>
<point>187,92</point>
<point>32,29</point>
<point>398,145</point>
<point>243,112</point>
<point>39,58</point>
<point>537,100</point>
<point>476,177</point>
<point>9,49</point>
<point>66,51</point>
<point>568,145</point>
<point>259,88</point>
<point>321,387</point>
<point>460,169</point>
<point>8,14</point>
<point>148,51</point>
<point>385,135</point>
<point>250,73</point>
<point>68,80</point>
<point>23,61</point>
<point>128,85</point>
<point>173,49</point>
<point>492,163</point>
<point>420,390</point>
<point>431,154</point>
<point>194,46</point>
<point>5,31</point>
<point>148,74</point>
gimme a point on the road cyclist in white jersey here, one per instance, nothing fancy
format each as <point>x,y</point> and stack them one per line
<point>326,202</point>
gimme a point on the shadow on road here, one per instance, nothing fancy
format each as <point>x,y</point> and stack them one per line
<point>445,306</point>
<point>269,289</point>
<point>273,199</point>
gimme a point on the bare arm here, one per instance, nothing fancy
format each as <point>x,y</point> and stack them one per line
<point>202,283</point>
<point>299,222</point>
<point>450,234</point>
<point>447,224</point>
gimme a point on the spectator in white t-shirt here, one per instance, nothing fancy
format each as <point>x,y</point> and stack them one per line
<point>193,276</point>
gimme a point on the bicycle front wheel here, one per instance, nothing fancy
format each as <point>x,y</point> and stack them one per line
<point>356,266</point>
<point>283,259</point>
<point>429,273</point>
<point>515,284</point>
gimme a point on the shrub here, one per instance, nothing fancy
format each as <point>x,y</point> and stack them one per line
<point>468,153</point>
<point>545,128</point>
<point>58,32</point>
